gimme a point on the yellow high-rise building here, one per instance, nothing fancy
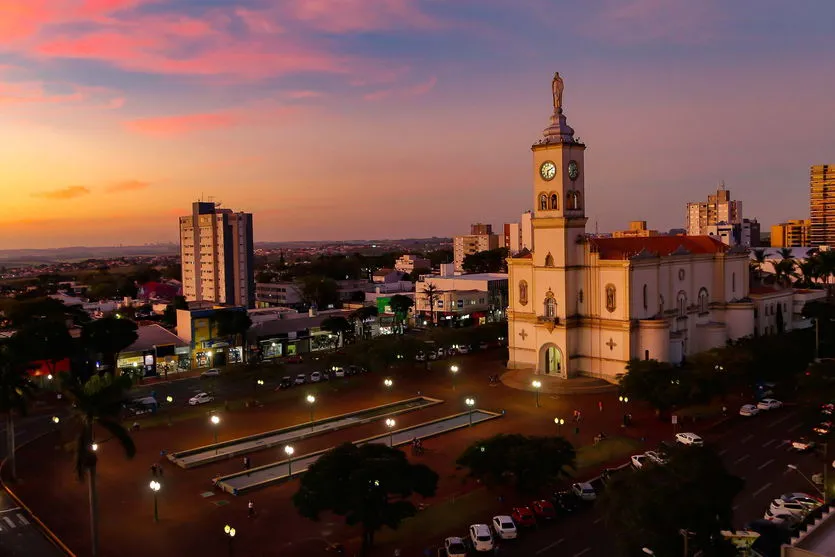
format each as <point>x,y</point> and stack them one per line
<point>791,234</point>
<point>822,205</point>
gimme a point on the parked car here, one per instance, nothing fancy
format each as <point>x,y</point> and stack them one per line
<point>455,547</point>
<point>523,516</point>
<point>565,501</point>
<point>828,409</point>
<point>214,372</point>
<point>420,357</point>
<point>823,428</point>
<point>301,379</point>
<point>655,457</point>
<point>543,510</point>
<point>688,438</point>
<point>779,505</point>
<point>356,370</point>
<point>441,352</point>
<point>802,445</point>
<point>769,404</point>
<point>433,356</point>
<point>315,377</point>
<point>200,398</point>
<point>584,491</point>
<point>748,410</point>
<point>638,461</point>
<point>285,383</point>
<point>483,345</point>
<point>463,349</point>
<point>809,501</point>
<point>504,527</point>
<point>481,538</point>
<point>338,371</point>
<point>294,359</point>
<point>781,517</point>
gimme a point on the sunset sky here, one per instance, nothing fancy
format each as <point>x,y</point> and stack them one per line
<point>350,119</point>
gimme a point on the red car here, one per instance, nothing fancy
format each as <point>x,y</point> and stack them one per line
<point>294,359</point>
<point>543,509</point>
<point>523,517</point>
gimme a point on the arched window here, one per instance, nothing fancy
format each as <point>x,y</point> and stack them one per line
<point>681,302</point>
<point>549,260</point>
<point>572,200</point>
<point>543,202</point>
<point>555,201</point>
<point>645,297</point>
<point>611,300</point>
<point>704,300</point>
<point>523,292</point>
<point>733,283</point>
<point>550,307</point>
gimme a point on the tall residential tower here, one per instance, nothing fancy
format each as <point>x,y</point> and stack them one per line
<point>822,205</point>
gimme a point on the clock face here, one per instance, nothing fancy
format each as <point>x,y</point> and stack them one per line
<point>548,170</point>
<point>573,170</point>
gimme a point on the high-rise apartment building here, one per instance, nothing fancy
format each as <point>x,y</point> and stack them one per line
<point>518,235</point>
<point>216,253</point>
<point>480,229</point>
<point>720,208</point>
<point>481,238</point>
<point>791,234</point>
<point>822,205</point>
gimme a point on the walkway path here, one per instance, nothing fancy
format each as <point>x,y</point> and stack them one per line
<point>228,449</point>
<point>272,473</point>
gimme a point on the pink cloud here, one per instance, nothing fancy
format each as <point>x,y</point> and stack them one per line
<point>127,185</point>
<point>19,20</point>
<point>351,16</point>
<point>69,192</point>
<point>411,91</point>
<point>181,124</point>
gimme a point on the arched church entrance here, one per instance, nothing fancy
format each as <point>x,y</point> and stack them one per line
<point>550,360</point>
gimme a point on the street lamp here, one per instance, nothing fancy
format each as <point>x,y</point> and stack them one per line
<point>55,419</point>
<point>230,533</point>
<point>155,485</point>
<point>453,369</point>
<point>390,423</point>
<point>623,399</point>
<point>288,449</point>
<point>559,422</point>
<point>311,400</point>
<point>536,384</point>
<point>49,377</point>
<point>388,382</point>
<point>260,382</point>
<point>470,402</point>
<point>821,491</point>
<point>215,420</point>
<point>94,447</point>
<point>169,399</point>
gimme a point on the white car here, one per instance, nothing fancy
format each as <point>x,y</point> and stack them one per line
<point>802,445</point>
<point>455,547</point>
<point>200,398</point>
<point>441,352</point>
<point>338,371</point>
<point>463,349</point>
<point>481,538</point>
<point>420,357</point>
<point>748,410</point>
<point>778,506</point>
<point>655,457</point>
<point>301,379</point>
<point>504,527</point>
<point>781,517</point>
<point>689,439</point>
<point>315,377</point>
<point>769,404</point>
<point>214,372</point>
<point>584,491</point>
<point>638,460</point>
<point>808,501</point>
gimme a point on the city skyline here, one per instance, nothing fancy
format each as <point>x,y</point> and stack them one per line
<point>324,120</point>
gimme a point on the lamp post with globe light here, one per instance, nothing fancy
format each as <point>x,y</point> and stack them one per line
<point>230,533</point>
<point>470,402</point>
<point>289,450</point>
<point>560,422</point>
<point>311,400</point>
<point>390,423</point>
<point>454,370</point>
<point>155,487</point>
<point>215,420</point>
<point>536,384</point>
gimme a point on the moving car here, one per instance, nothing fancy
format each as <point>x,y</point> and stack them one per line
<point>315,377</point>
<point>543,509</point>
<point>481,538</point>
<point>214,372</point>
<point>301,379</point>
<point>455,547</point>
<point>689,439</point>
<point>802,445</point>
<point>778,506</point>
<point>463,349</point>
<point>294,359</point>
<point>638,460</point>
<point>748,410</point>
<point>584,491</point>
<point>655,457</point>
<point>823,428</point>
<point>523,516</point>
<point>200,398</point>
<point>504,527</point>
<point>828,409</point>
<point>769,404</point>
<point>285,383</point>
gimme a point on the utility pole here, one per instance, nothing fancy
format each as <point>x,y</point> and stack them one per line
<point>826,472</point>
<point>817,339</point>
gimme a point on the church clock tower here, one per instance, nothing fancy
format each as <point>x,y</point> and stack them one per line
<point>546,284</point>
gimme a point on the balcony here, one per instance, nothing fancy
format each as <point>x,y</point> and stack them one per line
<point>544,319</point>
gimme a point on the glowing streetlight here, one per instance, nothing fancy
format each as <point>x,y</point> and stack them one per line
<point>559,422</point>
<point>289,450</point>
<point>390,423</point>
<point>215,420</point>
<point>454,370</point>
<point>55,419</point>
<point>230,533</point>
<point>623,399</point>
<point>311,400</point>
<point>821,491</point>
<point>155,487</point>
<point>260,382</point>
<point>536,384</point>
<point>169,399</point>
<point>49,377</point>
<point>94,447</point>
<point>388,383</point>
<point>470,402</point>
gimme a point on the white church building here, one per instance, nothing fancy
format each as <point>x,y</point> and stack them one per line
<point>586,306</point>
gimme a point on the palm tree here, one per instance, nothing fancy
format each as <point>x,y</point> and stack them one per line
<point>758,262</point>
<point>430,290</point>
<point>96,402</point>
<point>807,272</point>
<point>400,305</point>
<point>784,271</point>
<point>16,390</point>
<point>785,253</point>
<point>826,267</point>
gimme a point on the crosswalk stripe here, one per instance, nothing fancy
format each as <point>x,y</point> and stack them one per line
<point>9,522</point>
<point>22,519</point>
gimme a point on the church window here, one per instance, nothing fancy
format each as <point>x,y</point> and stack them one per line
<point>703,300</point>
<point>543,202</point>
<point>580,296</point>
<point>550,307</point>
<point>682,304</point>
<point>549,260</point>
<point>523,292</point>
<point>572,200</point>
<point>645,296</point>
<point>611,301</point>
<point>555,203</point>
<point>660,304</point>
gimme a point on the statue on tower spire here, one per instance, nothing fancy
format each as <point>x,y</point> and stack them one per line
<point>557,87</point>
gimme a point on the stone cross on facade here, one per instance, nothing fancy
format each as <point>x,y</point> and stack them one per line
<point>523,334</point>
<point>611,344</point>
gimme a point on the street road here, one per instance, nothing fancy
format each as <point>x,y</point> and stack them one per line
<point>754,448</point>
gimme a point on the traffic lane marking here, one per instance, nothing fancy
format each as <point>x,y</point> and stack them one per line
<point>747,438</point>
<point>586,550</point>
<point>795,426</point>
<point>10,510</point>
<point>767,443</point>
<point>550,546</point>
<point>740,459</point>
<point>781,420</point>
<point>764,464</point>
<point>760,490</point>
<point>9,522</point>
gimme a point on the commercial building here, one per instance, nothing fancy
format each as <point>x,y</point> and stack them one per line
<point>637,229</point>
<point>293,333</point>
<point>216,253</point>
<point>480,238</point>
<point>408,263</point>
<point>156,351</point>
<point>719,208</point>
<point>822,205</point>
<point>461,299</point>
<point>790,234</point>
<point>270,294</point>
<point>198,328</point>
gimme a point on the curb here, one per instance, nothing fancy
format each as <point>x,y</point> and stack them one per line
<point>49,534</point>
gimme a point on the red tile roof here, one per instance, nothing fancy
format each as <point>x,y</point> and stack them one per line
<point>624,248</point>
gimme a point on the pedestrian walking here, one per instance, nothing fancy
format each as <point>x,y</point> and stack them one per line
<point>250,509</point>
<point>600,405</point>
<point>246,463</point>
<point>579,416</point>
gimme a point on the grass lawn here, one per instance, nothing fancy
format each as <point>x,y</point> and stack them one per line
<point>610,449</point>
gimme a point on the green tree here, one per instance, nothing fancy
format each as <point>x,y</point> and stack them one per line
<point>401,305</point>
<point>96,403</point>
<point>174,272</point>
<point>657,383</point>
<point>108,336</point>
<point>489,261</point>
<point>49,341</point>
<point>319,291</point>
<point>16,392</point>
<point>145,273</point>
<point>369,485</point>
<point>440,256</point>
<point>645,508</point>
<point>529,462</point>
<point>337,325</point>
<point>22,312</point>
<point>758,262</point>
<point>430,290</point>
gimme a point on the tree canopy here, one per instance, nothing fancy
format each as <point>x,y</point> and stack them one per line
<point>490,261</point>
<point>369,485</point>
<point>108,336</point>
<point>319,291</point>
<point>46,340</point>
<point>528,462</point>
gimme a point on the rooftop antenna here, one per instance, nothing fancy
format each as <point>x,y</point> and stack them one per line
<point>722,185</point>
<point>595,227</point>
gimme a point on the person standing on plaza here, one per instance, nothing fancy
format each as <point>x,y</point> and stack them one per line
<point>250,508</point>
<point>600,405</point>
